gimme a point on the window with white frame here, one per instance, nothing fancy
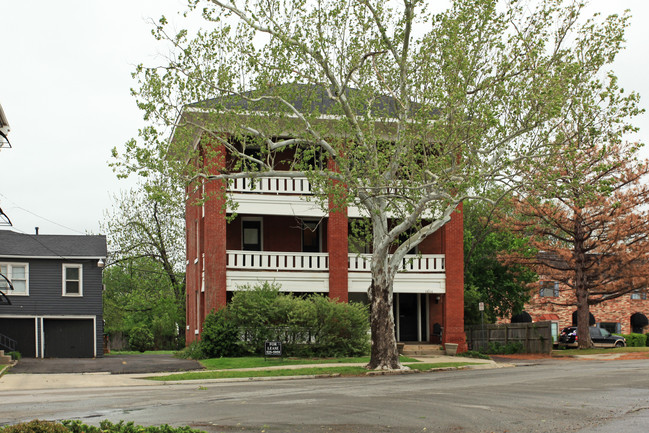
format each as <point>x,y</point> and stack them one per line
<point>549,289</point>
<point>18,274</point>
<point>72,280</point>
<point>639,294</point>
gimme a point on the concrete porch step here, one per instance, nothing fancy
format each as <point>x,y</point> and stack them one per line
<point>4,359</point>
<point>422,349</point>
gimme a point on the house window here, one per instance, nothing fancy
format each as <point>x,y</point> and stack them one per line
<point>639,294</point>
<point>18,274</point>
<point>612,327</point>
<point>549,289</point>
<point>311,236</point>
<point>251,234</point>
<point>72,280</point>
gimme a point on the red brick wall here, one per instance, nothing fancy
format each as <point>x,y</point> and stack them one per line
<point>454,298</point>
<point>338,243</point>
<point>432,244</point>
<point>192,277</point>
<point>282,233</point>
<point>616,310</point>
<point>233,235</point>
<point>214,239</point>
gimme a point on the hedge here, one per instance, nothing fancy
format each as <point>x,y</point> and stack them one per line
<point>307,326</point>
<point>635,340</point>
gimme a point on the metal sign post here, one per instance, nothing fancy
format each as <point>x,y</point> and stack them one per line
<point>481,308</point>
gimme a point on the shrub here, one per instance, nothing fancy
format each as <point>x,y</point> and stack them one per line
<point>342,328</point>
<point>473,354</point>
<point>220,336</point>
<point>15,355</point>
<point>140,338</point>
<point>35,426</point>
<point>193,351</point>
<point>106,426</point>
<point>311,326</point>
<point>635,340</point>
<point>77,426</point>
<point>496,348</point>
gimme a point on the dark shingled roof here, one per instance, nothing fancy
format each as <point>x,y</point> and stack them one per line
<point>306,98</point>
<point>18,244</point>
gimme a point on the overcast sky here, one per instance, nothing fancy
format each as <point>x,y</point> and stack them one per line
<point>64,86</point>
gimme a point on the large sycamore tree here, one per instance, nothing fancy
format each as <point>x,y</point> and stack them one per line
<point>412,110</point>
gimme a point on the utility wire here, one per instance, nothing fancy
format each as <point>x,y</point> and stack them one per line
<point>16,206</point>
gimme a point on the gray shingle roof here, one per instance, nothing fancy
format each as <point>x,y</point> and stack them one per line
<point>306,98</point>
<point>17,244</point>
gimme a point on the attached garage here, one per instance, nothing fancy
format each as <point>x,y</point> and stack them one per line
<point>23,331</point>
<point>69,338</point>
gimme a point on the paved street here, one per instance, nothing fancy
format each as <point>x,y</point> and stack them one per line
<point>563,395</point>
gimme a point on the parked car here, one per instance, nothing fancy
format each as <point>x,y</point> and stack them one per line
<point>600,337</point>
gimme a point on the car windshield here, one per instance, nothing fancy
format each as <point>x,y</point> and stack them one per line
<point>605,333</point>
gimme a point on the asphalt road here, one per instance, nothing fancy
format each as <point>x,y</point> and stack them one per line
<point>557,396</point>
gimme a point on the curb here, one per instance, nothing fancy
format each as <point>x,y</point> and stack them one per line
<point>371,373</point>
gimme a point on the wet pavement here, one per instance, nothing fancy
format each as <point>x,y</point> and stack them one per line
<point>114,364</point>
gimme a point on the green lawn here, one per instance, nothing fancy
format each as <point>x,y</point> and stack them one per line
<point>256,361</point>
<point>260,373</point>
<point>427,366</point>
<point>343,370</point>
<point>571,352</point>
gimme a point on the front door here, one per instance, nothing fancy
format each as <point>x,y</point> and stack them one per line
<point>310,237</point>
<point>408,318</point>
<point>411,316</point>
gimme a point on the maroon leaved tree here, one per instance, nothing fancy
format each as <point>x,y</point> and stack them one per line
<point>588,220</point>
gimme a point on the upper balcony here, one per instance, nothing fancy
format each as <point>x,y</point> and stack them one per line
<point>274,196</point>
<point>278,196</point>
<point>309,272</point>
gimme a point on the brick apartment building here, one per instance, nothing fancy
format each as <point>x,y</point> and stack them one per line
<point>625,314</point>
<point>280,237</point>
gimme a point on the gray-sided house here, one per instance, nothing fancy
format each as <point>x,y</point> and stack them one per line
<point>56,300</point>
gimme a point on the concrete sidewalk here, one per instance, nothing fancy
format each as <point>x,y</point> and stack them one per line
<point>18,381</point>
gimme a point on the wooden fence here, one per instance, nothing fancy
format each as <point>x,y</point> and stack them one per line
<point>535,337</point>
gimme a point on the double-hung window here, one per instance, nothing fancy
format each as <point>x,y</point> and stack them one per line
<point>18,274</point>
<point>72,280</point>
<point>549,289</point>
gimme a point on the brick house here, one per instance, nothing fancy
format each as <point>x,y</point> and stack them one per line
<point>280,237</point>
<point>625,314</point>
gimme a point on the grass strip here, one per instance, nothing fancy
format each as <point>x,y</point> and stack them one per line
<point>199,375</point>
<point>307,371</point>
<point>256,361</point>
<point>571,352</point>
<point>423,366</point>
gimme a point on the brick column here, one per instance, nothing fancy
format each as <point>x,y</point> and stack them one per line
<point>453,245</point>
<point>337,246</point>
<point>214,236</point>
<point>192,271</point>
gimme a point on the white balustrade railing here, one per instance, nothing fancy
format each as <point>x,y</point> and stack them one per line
<point>277,261</point>
<point>410,263</point>
<point>271,185</point>
<point>284,261</point>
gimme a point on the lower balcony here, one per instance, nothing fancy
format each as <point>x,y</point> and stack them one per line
<point>309,272</point>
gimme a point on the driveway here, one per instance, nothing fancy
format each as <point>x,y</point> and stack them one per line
<point>115,364</point>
